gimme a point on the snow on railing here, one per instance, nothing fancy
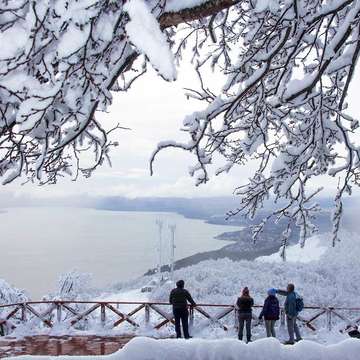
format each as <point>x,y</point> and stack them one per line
<point>87,315</point>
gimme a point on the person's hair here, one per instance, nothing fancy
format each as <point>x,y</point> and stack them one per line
<point>180,284</point>
<point>291,287</point>
<point>245,291</point>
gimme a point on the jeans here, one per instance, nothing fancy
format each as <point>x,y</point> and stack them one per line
<point>183,315</point>
<point>270,328</point>
<point>245,319</point>
<point>293,328</point>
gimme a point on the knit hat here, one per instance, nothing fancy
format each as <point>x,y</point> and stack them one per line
<point>272,292</point>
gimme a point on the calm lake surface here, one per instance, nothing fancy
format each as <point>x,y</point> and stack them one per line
<point>38,244</point>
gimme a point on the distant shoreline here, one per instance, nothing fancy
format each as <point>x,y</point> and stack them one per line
<point>243,247</point>
<point>221,253</point>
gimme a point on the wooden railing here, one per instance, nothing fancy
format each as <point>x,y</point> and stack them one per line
<point>85,315</point>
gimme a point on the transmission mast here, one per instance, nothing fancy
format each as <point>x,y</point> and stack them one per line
<point>172,250</point>
<point>160,224</point>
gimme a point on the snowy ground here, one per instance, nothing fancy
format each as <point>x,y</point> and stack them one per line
<point>130,295</point>
<point>313,251</point>
<point>229,349</point>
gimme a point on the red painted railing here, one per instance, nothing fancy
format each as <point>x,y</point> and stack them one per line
<point>84,315</point>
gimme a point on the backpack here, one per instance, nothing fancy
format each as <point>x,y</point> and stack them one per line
<point>299,303</point>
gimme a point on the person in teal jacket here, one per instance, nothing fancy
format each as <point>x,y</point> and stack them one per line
<point>291,313</point>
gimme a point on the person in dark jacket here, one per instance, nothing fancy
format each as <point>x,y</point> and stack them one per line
<point>179,298</point>
<point>244,306</point>
<point>270,312</point>
<point>291,313</point>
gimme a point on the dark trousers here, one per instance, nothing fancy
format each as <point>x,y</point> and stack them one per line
<point>293,329</point>
<point>245,319</point>
<point>183,316</point>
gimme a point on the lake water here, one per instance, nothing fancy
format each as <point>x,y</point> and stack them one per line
<point>38,244</point>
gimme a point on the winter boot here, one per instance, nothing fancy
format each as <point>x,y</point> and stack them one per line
<point>289,342</point>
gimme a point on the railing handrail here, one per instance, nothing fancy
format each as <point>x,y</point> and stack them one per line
<point>52,314</point>
<point>103,302</point>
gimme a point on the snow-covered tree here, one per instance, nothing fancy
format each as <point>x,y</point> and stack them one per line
<point>11,295</point>
<point>73,285</point>
<point>287,66</point>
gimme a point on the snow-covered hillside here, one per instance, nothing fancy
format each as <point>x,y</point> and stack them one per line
<point>314,250</point>
<point>333,279</point>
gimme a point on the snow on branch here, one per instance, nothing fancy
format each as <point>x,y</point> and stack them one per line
<point>144,32</point>
<point>287,68</point>
<point>59,63</point>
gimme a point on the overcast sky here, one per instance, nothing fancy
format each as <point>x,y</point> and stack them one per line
<point>154,110</point>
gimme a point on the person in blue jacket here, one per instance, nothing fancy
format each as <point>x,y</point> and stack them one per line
<point>270,312</point>
<point>291,313</point>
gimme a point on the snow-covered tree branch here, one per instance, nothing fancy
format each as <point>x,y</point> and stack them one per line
<point>287,66</point>
<point>58,64</point>
<point>282,104</point>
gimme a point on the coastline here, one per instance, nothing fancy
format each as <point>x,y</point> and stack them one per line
<point>243,247</point>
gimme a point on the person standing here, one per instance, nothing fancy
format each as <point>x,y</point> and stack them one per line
<point>291,311</point>
<point>244,306</point>
<point>179,298</point>
<point>270,312</point>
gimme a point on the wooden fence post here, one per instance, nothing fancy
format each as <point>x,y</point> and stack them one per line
<point>23,312</point>
<point>236,319</point>
<point>282,317</point>
<point>58,313</point>
<point>103,314</point>
<point>329,318</point>
<point>191,317</point>
<point>147,314</point>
